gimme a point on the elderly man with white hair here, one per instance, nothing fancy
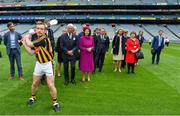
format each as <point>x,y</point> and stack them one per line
<point>69,45</point>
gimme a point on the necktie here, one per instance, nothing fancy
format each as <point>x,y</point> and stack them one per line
<point>102,37</point>
<point>159,41</point>
<point>70,36</point>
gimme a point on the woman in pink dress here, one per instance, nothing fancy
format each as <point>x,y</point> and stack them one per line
<point>86,46</point>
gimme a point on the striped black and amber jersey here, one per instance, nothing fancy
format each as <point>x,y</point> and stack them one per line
<point>40,41</point>
<point>44,48</point>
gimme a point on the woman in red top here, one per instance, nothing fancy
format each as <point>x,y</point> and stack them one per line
<point>132,46</point>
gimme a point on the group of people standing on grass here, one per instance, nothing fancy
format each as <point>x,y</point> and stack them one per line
<point>87,48</point>
<point>124,49</point>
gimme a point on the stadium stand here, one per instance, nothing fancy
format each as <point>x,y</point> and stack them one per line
<point>92,2</point>
<point>153,29</point>
<point>134,15</point>
<point>175,28</point>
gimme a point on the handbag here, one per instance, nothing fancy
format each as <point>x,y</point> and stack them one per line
<point>139,55</point>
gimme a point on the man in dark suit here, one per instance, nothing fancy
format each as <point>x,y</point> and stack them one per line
<point>11,41</point>
<point>157,46</point>
<point>102,46</point>
<point>140,37</point>
<point>84,27</point>
<point>95,36</point>
<point>69,45</point>
<point>125,37</point>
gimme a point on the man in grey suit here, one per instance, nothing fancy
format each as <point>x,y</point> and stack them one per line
<point>12,42</point>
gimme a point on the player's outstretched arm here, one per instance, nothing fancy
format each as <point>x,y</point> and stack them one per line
<point>28,41</point>
<point>28,44</point>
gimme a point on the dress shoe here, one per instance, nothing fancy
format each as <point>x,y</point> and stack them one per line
<point>73,81</point>
<point>59,75</point>
<point>66,82</point>
<point>88,79</point>
<point>83,79</point>
<point>115,70</point>
<point>11,78</point>
<point>21,78</point>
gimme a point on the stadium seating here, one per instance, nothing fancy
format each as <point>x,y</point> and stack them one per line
<point>81,16</point>
<point>153,29</point>
<point>175,29</point>
<point>57,29</point>
<point>135,28</point>
<point>2,27</point>
<point>23,29</point>
<point>91,2</point>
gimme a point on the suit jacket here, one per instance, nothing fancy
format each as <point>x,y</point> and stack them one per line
<point>115,44</point>
<point>69,44</point>
<point>80,35</point>
<point>58,46</point>
<point>140,40</point>
<point>95,41</point>
<point>7,41</point>
<point>155,43</point>
<point>102,44</point>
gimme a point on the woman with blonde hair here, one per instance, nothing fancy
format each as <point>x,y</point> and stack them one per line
<point>118,46</point>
